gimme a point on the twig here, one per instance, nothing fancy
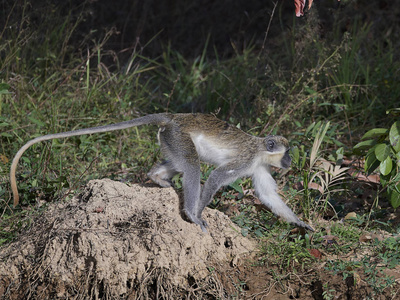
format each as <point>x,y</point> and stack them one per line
<point>266,33</point>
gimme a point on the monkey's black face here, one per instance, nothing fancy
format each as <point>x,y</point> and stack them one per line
<point>286,160</point>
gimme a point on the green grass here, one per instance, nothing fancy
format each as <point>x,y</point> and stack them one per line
<point>55,77</point>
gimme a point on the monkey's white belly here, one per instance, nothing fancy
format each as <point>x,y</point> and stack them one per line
<point>210,152</point>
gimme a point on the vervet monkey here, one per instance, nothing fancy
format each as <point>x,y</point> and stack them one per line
<point>187,139</point>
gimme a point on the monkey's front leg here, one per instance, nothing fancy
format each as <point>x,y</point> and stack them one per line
<point>221,176</point>
<point>265,187</point>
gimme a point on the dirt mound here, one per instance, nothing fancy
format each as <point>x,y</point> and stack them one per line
<point>115,241</point>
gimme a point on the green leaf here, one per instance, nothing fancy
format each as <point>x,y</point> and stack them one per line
<point>235,185</point>
<point>396,178</point>
<point>311,126</point>
<point>394,196</point>
<point>382,151</point>
<point>364,145</point>
<point>337,143</point>
<point>371,162</point>
<point>295,154</point>
<point>386,166</point>
<point>36,121</point>
<point>340,152</point>
<point>394,136</point>
<point>376,132</point>
<point>5,134</point>
<point>258,233</point>
<point>316,128</point>
<point>398,158</point>
<point>385,179</point>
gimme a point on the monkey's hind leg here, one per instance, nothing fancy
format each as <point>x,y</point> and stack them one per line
<point>191,191</point>
<point>182,157</point>
<point>162,174</point>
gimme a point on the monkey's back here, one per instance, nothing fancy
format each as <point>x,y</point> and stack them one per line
<point>209,125</point>
<point>216,141</point>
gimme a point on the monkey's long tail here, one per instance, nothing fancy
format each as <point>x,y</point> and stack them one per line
<point>155,119</point>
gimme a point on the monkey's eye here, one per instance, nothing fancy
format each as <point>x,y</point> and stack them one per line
<point>270,145</point>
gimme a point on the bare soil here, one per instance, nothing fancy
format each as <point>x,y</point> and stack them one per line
<point>115,241</point>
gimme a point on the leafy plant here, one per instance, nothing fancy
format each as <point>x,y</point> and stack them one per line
<point>288,251</point>
<point>383,152</point>
<point>318,174</point>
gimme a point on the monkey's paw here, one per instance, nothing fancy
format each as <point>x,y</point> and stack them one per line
<point>203,225</point>
<point>196,220</point>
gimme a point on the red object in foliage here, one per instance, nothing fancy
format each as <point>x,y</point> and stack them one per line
<point>299,4</point>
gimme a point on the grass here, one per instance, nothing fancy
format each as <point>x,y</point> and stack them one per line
<point>56,76</point>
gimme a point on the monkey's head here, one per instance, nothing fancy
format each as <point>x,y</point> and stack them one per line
<point>278,151</point>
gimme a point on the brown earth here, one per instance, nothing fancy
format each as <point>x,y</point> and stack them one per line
<point>115,241</point>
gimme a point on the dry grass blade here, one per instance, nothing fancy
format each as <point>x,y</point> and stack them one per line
<point>329,175</point>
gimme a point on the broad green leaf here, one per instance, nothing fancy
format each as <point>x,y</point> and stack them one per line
<point>395,199</point>
<point>382,151</point>
<point>398,158</point>
<point>394,196</point>
<point>394,136</point>
<point>371,162</point>
<point>386,166</point>
<point>364,145</point>
<point>373,133</point>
